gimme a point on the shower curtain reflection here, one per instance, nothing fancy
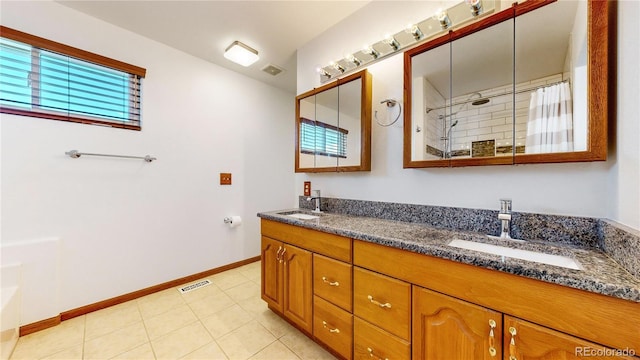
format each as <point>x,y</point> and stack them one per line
<point>550,123</point>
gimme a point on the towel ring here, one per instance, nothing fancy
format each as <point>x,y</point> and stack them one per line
<point>390,103</point>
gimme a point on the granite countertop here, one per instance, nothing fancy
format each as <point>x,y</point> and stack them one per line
<point>599,274</point>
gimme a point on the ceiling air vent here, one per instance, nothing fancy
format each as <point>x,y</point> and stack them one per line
<point>272,69</point>
<point>191,287</point>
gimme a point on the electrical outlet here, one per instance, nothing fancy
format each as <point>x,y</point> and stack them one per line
<point>307,188</point>
<point>225,178</point>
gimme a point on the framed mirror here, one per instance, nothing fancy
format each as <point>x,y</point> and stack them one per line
<point>333,126</point>
<point>525,85</point>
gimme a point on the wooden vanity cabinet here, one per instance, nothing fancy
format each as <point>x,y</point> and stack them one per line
<point>287,283</point>
<point>568,314</point>
<point>307,279</point>
<point>369,301</point>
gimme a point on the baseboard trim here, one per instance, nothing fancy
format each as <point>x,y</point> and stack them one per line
<point>44,324</point>
<point>40,325</point>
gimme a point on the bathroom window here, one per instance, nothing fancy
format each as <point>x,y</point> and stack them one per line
<point>323,139</point>
<point>44,79</point>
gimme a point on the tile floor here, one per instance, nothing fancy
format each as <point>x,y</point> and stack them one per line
<point>223,320</point>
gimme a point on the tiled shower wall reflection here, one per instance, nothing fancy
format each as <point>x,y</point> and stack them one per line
<point>490,121</point>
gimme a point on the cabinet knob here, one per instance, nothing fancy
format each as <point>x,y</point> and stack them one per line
<point>376,302</point>
<point>492,338</point>
<point>374,356</point>
<point>334,331</point>
<point>512,344</point>
<point>330,283</point>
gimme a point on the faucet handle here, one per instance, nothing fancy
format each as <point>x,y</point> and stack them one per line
<point>505,206</point>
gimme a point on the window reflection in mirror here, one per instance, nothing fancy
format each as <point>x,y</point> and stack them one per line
<point>551,79</point>
<point>307,132</point>
<point>333,126</point>
<point>326,128</point>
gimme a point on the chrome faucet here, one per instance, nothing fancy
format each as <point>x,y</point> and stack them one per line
<point>505,216</point>
<point>316,197</point>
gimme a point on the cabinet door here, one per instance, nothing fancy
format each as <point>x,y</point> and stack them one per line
<point>271,283</point>
<point>447,328</point>
<point>534,342</point>
<point>298,286</point>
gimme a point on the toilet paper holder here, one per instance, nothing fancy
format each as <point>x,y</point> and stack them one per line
<point>233,221</point>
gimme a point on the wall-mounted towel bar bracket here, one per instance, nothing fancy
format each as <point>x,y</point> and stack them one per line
<point>76,154</point>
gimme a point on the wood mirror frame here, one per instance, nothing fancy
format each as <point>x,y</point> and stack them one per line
<point>365,125</point>
<point>601,23</point>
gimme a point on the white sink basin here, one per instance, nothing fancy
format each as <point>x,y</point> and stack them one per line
<point>303,216</point>
<point>556,260</point>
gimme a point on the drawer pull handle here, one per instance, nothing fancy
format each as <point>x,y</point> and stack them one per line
<point>278,254</point>
<point>492,339</point>
<point>376,302</point>
<point>335,331</point>
<point>512,344</point>
<point>371,354</point>
<point>284,250</point>
<point>330,283</point>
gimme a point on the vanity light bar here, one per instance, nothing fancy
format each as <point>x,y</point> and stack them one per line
<point>412,35</point>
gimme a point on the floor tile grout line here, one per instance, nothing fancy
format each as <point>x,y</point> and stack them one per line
<point>290,349</point>
<point>146,331</point>
<point>84,335</point>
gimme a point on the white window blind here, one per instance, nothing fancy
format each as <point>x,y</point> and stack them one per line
<point>322,139</point>
<point>41,83</point>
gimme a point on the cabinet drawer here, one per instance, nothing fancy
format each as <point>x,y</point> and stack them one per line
<point>335,246</point>
<point>332,281</point>
<point>382,301</point>
<point>371,342</point>
<point>333,326</point>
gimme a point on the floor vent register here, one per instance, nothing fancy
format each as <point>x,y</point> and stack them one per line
<point>191,287</point>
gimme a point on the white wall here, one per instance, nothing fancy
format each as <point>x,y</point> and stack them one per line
<point>624,176</point>
<point>126,224</point>
<point>600,189</point>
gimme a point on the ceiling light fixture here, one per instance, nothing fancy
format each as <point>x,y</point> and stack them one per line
<point>241,53</point>
<point>323,72</point>
<point>353,59</point>
<point>415,31</point>
<point>337,66</point>
<point>371,51</point>
<point>443,18</point>
<point>419,31</point>
<point>392,42</point>
<point>475,6</point>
